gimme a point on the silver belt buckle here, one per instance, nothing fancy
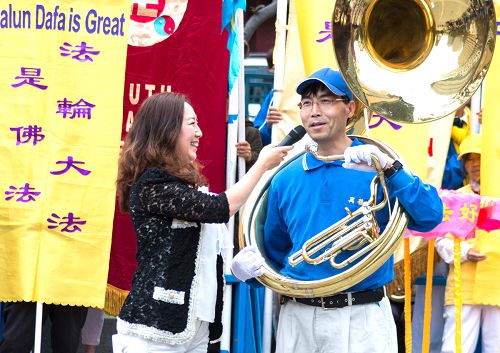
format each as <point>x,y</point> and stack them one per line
<point>349,298</point>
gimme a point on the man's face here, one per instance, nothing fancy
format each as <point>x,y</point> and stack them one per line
<point>325,116</point>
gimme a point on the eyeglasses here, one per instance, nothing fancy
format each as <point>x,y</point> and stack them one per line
<point>306,105</point>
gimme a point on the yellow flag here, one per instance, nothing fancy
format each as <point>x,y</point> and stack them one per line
<point>314,21</point>
<point>62,75</point>
<point>294,73</point>
<point>490,148</point>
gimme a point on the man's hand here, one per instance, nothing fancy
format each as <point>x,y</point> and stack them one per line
<point>243,149</point>
<point>359,158</point>
<point>273,116</point>
<point>247,263</point>
<point>475,256</point>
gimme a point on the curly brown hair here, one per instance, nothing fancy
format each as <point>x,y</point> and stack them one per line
<point>151,143</point>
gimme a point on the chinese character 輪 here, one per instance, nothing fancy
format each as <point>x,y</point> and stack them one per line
<point>80,109</point>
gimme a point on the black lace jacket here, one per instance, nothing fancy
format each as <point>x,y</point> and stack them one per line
<point>166,214</point>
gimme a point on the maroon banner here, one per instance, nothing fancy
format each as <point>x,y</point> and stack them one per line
<point>174,46</point>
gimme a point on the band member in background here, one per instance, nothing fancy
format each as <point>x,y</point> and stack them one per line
<point>480,296</point>
<point>309,195</point>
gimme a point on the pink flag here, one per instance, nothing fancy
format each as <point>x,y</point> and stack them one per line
<point>489,216</point>
<point>460,216</point>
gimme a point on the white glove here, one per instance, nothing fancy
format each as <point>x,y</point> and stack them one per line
<point>358,158</point>
<point>247,263</point>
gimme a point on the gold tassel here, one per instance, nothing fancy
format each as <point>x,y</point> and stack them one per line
<point>115,297</point>
<point>407,305</point>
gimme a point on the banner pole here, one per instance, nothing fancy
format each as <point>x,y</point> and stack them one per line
<point>279,59</point>
<point>235,133</point>
<point>38,327</point>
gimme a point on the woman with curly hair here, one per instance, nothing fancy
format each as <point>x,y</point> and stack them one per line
<point>175,302</point>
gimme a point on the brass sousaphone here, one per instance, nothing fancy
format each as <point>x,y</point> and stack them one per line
<point>410,61</point>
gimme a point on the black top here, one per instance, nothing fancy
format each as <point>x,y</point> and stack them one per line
<point>166,214</point>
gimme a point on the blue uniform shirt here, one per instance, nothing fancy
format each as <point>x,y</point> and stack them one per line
<point>310,195</point>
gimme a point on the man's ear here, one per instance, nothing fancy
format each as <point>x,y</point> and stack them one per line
<point>352,109</point>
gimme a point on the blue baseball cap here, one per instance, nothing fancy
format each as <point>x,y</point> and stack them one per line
<point>332,79</point>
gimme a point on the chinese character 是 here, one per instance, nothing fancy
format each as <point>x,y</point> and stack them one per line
<point>327,32</point>
<point>30,76</point>
<point>71,223</point>
<point>70,163</point>
<point>26,134</point>
<point>26,193</point>
<point>381,120</point>
<point>81,53</point>
<point>80,109</point>
<point>468,213</point>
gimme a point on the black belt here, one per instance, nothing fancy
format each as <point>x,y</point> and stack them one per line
<point>340,300</point>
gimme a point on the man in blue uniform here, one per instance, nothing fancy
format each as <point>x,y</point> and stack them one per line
<point>308,196</point>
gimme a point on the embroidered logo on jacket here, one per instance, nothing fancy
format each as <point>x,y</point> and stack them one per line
<point>177,223</point>
<point>168,295</point>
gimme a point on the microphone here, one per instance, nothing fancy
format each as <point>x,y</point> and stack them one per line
<point>293,136</point>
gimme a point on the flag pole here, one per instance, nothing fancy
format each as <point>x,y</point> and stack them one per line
<point>235,133</point>
<point>279,59</point>
<point>38,327</point>
<point>279,75</point>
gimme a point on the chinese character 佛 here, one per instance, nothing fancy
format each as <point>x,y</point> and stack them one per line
<point>27,134</point>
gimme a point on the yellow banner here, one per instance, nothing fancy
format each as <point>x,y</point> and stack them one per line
<point>314,21</point>
<point>490,148</point>
<point>62,76</point>
<point>294,73</point>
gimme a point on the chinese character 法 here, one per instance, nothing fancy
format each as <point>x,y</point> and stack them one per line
<point>71,223</point>
<point>26,193</point>
<point>81,53</point>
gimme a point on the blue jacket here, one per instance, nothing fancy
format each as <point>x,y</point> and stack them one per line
<point>309,195</point>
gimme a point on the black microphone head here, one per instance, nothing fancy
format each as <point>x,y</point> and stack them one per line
<point>293,136</point>
<point>300,131</point>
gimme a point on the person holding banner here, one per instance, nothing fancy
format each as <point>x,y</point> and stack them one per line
<point>19,330</point>
<point>309,195</point>
<point>175,302</point>
<point>480,296</point>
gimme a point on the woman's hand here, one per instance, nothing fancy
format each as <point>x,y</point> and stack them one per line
<point>271,156</point>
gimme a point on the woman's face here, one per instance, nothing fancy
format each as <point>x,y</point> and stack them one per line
<point>189,137</point>
<point>472,165</point>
